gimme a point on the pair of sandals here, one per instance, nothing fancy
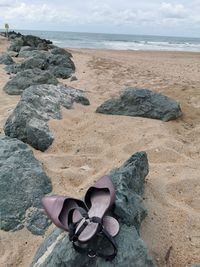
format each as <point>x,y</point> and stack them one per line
<point>86,220</point>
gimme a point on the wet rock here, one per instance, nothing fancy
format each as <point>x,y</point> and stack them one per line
<point>23,184</point>
<point>38,104</point>
<point>56,250</point>
<point>142,103</point>
<point>6,59</point>
<point>26,78</point>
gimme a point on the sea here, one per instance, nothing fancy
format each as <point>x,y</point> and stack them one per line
<point>118,41</point>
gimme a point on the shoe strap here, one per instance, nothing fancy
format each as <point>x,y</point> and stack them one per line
<point>92,254</point>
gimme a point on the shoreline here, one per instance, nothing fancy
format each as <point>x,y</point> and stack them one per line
<point>171,190</point>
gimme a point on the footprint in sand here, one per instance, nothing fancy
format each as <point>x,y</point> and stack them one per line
<point>186,192</point>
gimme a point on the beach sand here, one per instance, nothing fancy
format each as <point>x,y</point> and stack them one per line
<point>88,145</point>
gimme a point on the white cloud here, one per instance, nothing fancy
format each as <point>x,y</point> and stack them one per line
<point>102,15</point>
<point>38,12</point>
<point>177,11</point>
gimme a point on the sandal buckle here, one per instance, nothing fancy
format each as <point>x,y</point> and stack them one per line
<point>92,253</point>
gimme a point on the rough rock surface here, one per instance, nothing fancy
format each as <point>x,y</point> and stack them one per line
<point>61,66</point>
<point>129,185</point>
<point>6,59</point>
<point>26,78</point>
<point>60,51</point>
<point>142,103</point>
<point>23,184</point>
<point>57,250</point>
<point>28,40</point>
<point>38,104</point>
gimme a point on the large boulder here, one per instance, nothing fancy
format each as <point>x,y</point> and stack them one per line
<point>129,182</point>
<point>142,103</point>
<point>61,66</point>
<point>6,59</point>
<point>56,250</point>
<point>23,184</point>
<point>38,104</point>
<point>29,63</point>
<point>26,78</point>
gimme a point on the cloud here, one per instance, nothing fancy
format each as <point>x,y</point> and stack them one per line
<point>103,15</point>
<point>38,12</point>
<point>177,11</point>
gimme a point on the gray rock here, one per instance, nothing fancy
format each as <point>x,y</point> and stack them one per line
<point>142,103</point>
<point>38,104</point>
<point>28,40</point>
<point>42,46</point>
<point>129,184</point>
<point>38,133</point>
<point>16,44</point>
<point>57,250</point>
<point>60,51</point>
<point>26,78</point>
<point>32,53</point>
<point>12,53</point>
<point>29,63</point>
<point>23,184</point>
<point>131,252</point>
<point>61,66</point>
<point>6,59</point>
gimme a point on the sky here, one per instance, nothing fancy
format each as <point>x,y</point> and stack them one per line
<point>152,17</point>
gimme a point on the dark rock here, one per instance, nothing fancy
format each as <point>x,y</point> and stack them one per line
<point>142,103</point>
<point>38,134</point>
<point>61,72</point>
<point>23,184</point>
<point>129,184</point>
<point>37,221</point>
<point>131,252</point>
<point>16,44</point>
<point>26,78</point>
<point>61,66</point>
<point>42,46</point>
<point>34,41</point>
<point>29,63</point>
<point>60,51</point>
<point>131,249</point>
<point>38,104</point>
<point>6,59</point>
<point>28,40</point>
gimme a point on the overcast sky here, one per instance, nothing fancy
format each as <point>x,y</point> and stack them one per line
<point>172,17</point>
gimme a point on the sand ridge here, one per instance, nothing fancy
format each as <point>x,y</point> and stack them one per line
<point>88,145</point>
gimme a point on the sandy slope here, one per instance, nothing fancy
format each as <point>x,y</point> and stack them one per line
<point>88,145</point>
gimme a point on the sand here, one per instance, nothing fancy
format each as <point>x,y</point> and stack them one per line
<point>88,145</point>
